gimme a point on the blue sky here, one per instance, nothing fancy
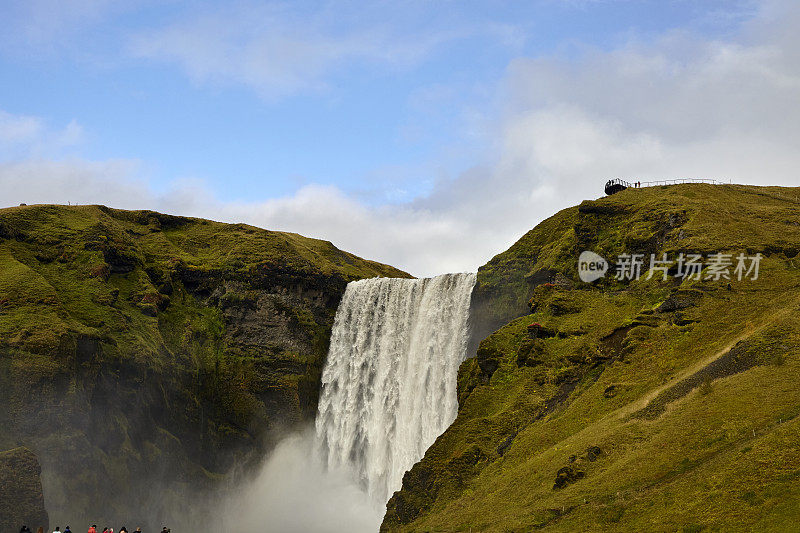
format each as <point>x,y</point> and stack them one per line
<point>348,125</point>
<point>386,128</point>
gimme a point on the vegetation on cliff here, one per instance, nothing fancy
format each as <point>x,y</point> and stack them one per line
<point>640,405</point>
<point>142,354</point>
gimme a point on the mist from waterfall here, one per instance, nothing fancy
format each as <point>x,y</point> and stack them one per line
<point>388,390</point>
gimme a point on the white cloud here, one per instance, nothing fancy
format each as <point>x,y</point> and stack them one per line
<point>48,27</point>
<point>277,49</point>
<point>24,137</point>
<point>71,135</point>
<point>18,128</point>
<point>75,181</point>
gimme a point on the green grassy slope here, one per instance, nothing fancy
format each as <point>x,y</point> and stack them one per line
<point>73,268</point>
<point>651,405</point>
<point>148,353</point>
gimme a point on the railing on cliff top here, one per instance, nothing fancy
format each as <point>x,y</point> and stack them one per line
<point>681,180</point>
<point>615,185</point>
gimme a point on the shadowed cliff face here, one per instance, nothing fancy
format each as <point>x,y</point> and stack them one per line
<point>144,355</point>
<point>21,500</point>
<point>621,404</point>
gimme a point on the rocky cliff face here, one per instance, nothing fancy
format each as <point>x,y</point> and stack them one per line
<point>628,404</point>
<point>21,499</point>
<point>145,355</point>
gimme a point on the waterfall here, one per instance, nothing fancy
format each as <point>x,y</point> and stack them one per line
<point>389,384</point>
<point>388,390</point>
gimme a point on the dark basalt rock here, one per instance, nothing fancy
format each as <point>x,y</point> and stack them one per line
<point>488,361</point>
<point>610,391</point>
<point>567,475</point>
<point>680,299</point>
<point>21,498</point>
<point>593,452</point>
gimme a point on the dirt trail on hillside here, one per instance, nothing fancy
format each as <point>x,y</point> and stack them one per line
<point>749,331</point>
<point>626,412</point>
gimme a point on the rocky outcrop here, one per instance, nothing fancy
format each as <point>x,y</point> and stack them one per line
<point>21,498</point>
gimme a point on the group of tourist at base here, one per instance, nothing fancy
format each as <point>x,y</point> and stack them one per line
<point>92,529</point>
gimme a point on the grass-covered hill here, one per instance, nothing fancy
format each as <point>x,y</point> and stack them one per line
<point>642,405</point>
<point>142,354</point>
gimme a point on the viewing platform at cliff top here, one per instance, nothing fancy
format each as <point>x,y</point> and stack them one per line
<point>617,184</point>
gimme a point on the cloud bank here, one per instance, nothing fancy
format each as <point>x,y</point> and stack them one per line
<point>678,105</point>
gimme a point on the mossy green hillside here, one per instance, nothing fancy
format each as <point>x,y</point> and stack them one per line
<point>148,353</point>
<point>644,405</point>
<point>697,218</point>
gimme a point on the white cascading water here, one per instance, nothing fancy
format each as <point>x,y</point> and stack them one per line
<point>389,384</point>
<point>388,390</point>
